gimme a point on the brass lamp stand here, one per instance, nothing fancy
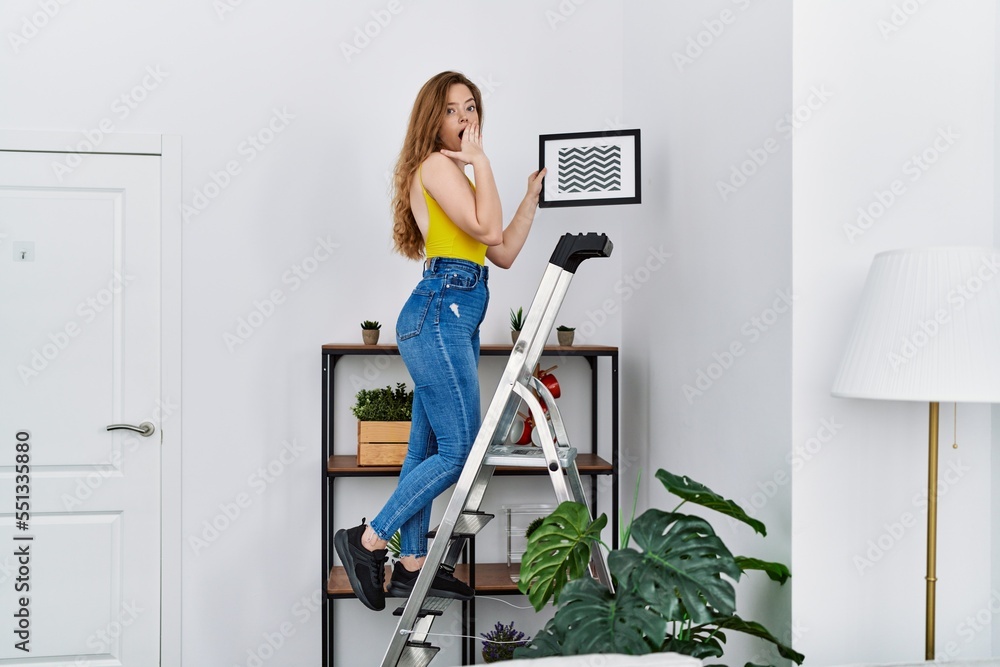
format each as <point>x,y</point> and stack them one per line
<point>932,477</point>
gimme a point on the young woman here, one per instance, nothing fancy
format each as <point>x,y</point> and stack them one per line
<point>441,216</point>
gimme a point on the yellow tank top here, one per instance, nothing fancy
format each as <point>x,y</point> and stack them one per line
<point>444,237</point>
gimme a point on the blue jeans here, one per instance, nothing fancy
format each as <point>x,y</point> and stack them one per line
<point>438,337</point>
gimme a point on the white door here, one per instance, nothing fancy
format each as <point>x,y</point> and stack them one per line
<point>80,332</point>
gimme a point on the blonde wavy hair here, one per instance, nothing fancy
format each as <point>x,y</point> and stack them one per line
<point>422,139</point>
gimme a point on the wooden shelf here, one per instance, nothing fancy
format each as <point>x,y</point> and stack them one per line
<point>338,586</point>
<point>346,465</point>
<point>491,578</point>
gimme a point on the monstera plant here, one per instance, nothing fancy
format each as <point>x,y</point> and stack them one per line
<point>673,593</point>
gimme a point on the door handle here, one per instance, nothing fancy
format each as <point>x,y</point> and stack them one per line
<point>145,429</point>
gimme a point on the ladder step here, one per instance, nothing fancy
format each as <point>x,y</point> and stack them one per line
<point>417,654</point>
<point>430,607</point>
<point>468,524</point>
<point>519,456</point>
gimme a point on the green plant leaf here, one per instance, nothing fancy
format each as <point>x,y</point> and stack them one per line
<point>546,642</point>
<point>384,404</point>
<point>695,492</point>
<point>775,571</point>
<point>533,526</point>
<point>625,531</point>
<point>706,634</point>
<point>557,551</point>
<point>757,630</point>
<point>696,648</point>
<point>395,544</point>
<point>678,570</point>
<point>593,620</point>
<point>516,319</point>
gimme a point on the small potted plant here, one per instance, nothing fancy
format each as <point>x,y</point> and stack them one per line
<point>369,332</point>
<point>516,323</point>
<point>511,638</point>
<point>383,425</point>
<point>533,526</point>
<point>565,335</point>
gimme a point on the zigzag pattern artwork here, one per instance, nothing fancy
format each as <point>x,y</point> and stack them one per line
<point>590,169</point>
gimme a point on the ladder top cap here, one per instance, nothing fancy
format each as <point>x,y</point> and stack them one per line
<point>573,249</point>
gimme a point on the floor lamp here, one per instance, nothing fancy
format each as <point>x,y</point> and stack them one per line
<point>927,329</point>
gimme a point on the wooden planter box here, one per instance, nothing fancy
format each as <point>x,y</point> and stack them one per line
<point>382,443</point>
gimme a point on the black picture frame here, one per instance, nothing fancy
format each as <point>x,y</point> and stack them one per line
<point>590,168</point>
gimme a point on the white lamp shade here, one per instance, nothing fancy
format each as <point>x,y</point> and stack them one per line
<point>927,329</point>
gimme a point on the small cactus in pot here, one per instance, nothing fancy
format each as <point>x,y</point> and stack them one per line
<point>565,335</point>
<point>370,331</point>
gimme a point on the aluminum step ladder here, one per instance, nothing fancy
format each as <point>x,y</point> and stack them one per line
<point>462,518</point>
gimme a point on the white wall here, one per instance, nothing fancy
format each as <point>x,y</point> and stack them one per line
<point>730,258</point>
<point>858,517</point>
<point>322,176</point>
<point>995,412</point>
<point>864,105</point>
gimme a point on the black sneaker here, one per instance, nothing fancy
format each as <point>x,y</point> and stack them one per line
<point>365,569</point>
<point>445,585</point>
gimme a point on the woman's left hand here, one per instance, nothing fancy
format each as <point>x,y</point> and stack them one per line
<point>535,184</point>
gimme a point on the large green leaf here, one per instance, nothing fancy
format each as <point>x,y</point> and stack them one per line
<point>546,642</point>
<point>558,550</point>
<point>591,619</point>
<point>678,570</point>
<point>775,571</point>
<point>758,630</point>
<point>696,648</point>
<point>695,492</point>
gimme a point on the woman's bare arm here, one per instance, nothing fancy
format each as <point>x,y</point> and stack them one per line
<point>514,236</point>
<point>476,212</point>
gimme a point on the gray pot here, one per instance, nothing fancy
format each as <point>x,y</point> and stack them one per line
<point>565,337</point>
<point>370,336</point>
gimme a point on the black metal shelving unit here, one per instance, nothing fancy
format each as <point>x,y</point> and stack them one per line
<point>485,578</point>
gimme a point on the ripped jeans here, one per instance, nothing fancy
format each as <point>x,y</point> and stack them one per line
<point>438,337</point>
